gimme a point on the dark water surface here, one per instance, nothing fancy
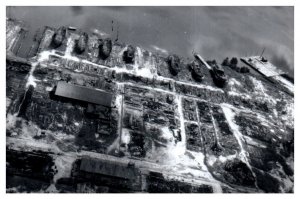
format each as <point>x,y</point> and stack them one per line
<point>214,32</point>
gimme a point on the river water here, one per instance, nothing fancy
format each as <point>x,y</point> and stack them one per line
<point>214,32</point>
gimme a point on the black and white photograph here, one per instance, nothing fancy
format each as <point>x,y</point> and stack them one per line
<point>149,99</point>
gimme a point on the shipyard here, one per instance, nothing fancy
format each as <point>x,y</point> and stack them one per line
<point>86,114</point>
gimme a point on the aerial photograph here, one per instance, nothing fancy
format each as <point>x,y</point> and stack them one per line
<point>149,99</point>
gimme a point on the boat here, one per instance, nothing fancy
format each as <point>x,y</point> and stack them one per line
<point>174,64</point>
<point>105,48</point>
<point>128,55</point>
<point>81,43</point>
<point>196,69</point>
<point>218,74</point>
<point>59,37</point>
<point>72,28</point>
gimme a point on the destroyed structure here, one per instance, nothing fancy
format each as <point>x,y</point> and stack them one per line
<point>88,114</point>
